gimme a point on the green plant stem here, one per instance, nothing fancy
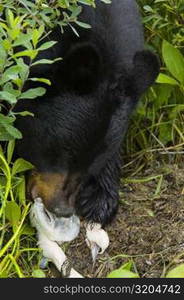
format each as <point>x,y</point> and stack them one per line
<point>8,183</point>
<point>5,248</point>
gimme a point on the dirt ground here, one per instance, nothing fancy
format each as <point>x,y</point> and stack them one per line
<point>148,230</point>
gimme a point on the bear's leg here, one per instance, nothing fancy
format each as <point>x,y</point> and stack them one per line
<point>97,202</point>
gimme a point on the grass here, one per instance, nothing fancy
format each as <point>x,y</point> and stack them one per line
<point>17,244</point>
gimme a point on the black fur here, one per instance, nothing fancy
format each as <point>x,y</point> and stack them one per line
<point>79,125</point>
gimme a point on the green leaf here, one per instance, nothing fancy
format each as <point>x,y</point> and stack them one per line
<point>25,113</point>
<point>10,73</point>
<point>10,150</point>
<point>14,132</point>
<point>163,93</point>
<point>33,93</point>
<point>24,69</point>
<point>27,230</point>
<point>47,45</point>
<point>165,133</point>
<point>83,25</point>
<point>4,135</point>
<point>176,110</point>
<point>10,98</point>
<point>177,272</point>
<point>173,60</point>
<point>148,8</point>
<point>8,87</point>
<point>10,18</point>
<point>76,11</point>
<point>38,273</point>
<point>2,56</point>
<point>74,30</point>
<point>7,44</point>
<point>123,272</point>
<point>14,33</point>
<point>13,213</point>
<point>30,53</point>
<point>23,40</point>
<point>162,78</point>
<point>35,37</point>
<point>107,1</point>
<point>6,119</point>
<point>21,190</point>
<point>44,80</point>
<point>45,61</point>
<point>21,165</point>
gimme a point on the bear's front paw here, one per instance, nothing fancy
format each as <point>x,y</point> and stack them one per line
<point>97,239</point>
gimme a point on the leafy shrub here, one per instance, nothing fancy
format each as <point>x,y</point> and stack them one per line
<point>158,124</point>
<point>26,24</point>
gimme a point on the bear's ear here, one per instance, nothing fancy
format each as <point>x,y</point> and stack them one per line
<point>145,70</point>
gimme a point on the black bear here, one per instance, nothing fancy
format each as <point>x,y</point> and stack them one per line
<point>75,137</point>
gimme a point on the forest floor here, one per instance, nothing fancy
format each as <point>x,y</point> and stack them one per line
<point>148,229</point>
